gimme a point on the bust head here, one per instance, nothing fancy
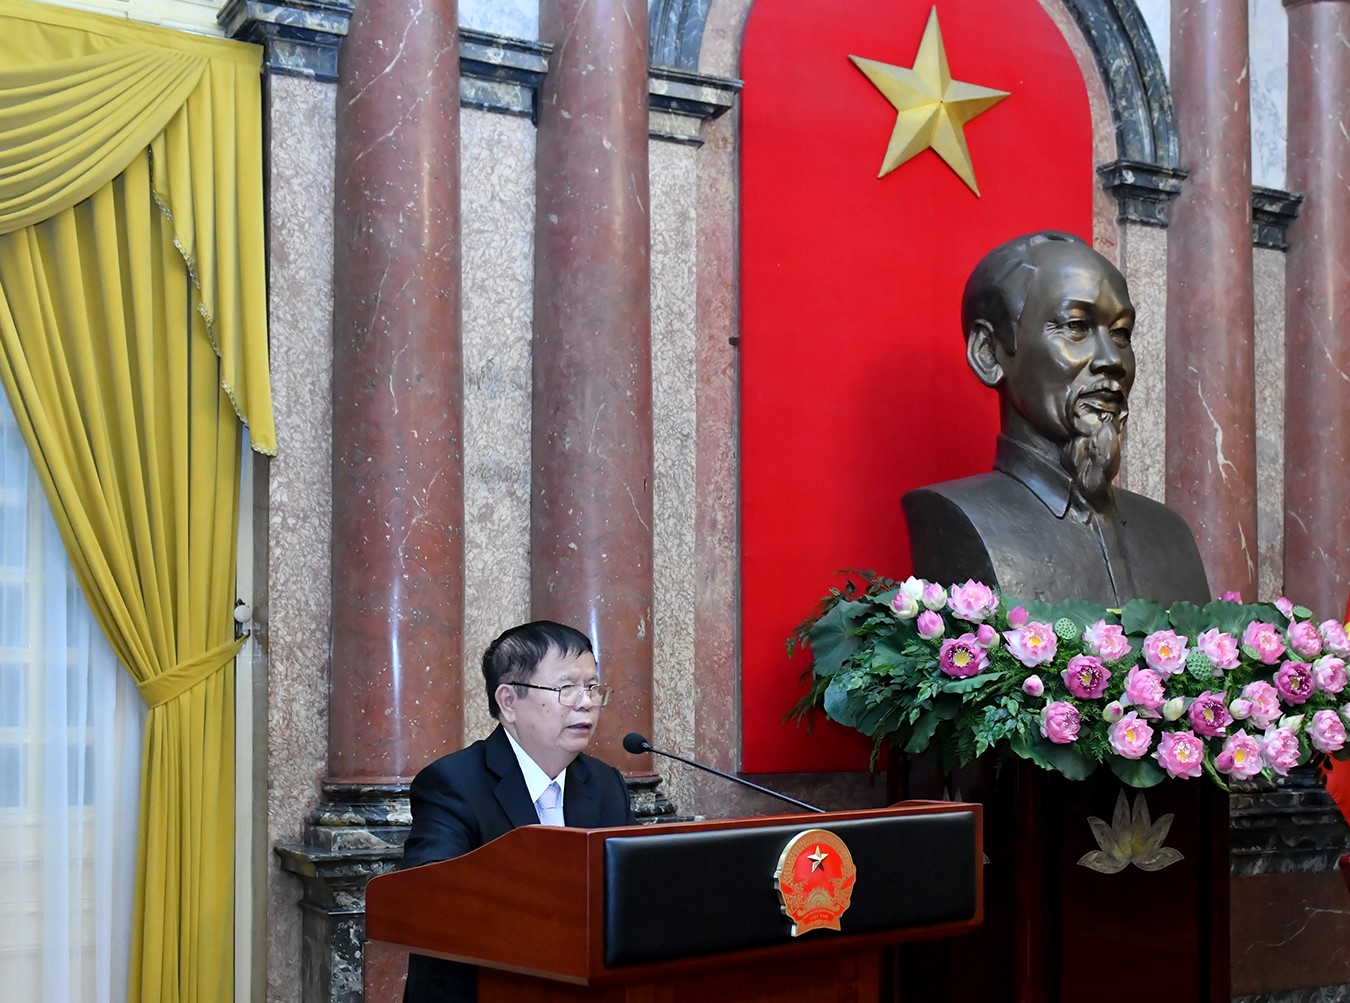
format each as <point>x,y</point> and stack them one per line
<point>1047,322</point>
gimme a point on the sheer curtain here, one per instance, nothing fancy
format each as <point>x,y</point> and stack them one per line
<point>71,723</point>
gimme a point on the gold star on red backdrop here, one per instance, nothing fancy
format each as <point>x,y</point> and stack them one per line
<point>932,109</point>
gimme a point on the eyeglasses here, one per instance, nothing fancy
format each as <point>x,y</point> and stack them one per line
<point>569,695</point>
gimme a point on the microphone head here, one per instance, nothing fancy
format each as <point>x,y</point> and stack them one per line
<point>635,743</point>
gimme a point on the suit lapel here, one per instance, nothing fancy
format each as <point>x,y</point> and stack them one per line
<point>510,790</point>
<point>581,800</point>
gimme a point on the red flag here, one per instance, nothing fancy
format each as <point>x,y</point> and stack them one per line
<point>1336,774</point>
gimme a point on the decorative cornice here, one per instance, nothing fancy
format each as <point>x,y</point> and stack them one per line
<point>1272,212</point>
<point>500,73</point>
<point>1142,190</point>
<point>300,38</point>
<point>681,101</point>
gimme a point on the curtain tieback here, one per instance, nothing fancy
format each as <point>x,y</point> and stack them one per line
<point>182,677</point>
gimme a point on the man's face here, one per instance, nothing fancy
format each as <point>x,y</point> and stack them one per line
<point>552,734</point>
<point>1073,367</point>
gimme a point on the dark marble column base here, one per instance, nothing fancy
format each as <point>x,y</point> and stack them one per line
<point>1290,910</point>
<point>355,834</point>
<point>650,803</point>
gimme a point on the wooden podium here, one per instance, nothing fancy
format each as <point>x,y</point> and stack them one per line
<point>684,911</point>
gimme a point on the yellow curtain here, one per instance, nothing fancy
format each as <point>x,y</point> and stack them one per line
<point>132,345</point>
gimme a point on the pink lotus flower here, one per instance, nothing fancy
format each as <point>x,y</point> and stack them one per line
<point>1060,722</point>
<point>1113,712</point>
<point>962,656</point>
<point>973,601</point>
<point>1131,737</point>
<point>934,595</point>
<point>1240,758</point>
<point>930,625</point>
<point>1265,703</point>
<point>1334,638</point>
<point>1285,606</point>
<point>1144,689</point>
<point>1086,677</point>
<point>905,605</point>
<point>1220,648</point>
<point>1241,709</point>
<point>1165,652</point>
<point>1033,644</point>
<point>1231,597</point>
<point>1294,682</point>
<point>1032,686</point>
<point>1329,674</point>
<point>1017,616</point>
<point>987,636</point>
<point>1304,639</point>
<point>1326,731</point>
<point>1279,748</point>
<point>1265,640</point>
<point>1180,753</point>
<point>1107,641</point>
<point>1209,716</point>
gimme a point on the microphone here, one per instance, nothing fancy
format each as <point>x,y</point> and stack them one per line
<point>638,744</point>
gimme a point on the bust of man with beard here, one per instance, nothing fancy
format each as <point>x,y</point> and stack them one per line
<point>1048,322</point>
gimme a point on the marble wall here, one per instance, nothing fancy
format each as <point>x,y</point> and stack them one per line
<point>293,623</point>
<point>516,18</point>
<point>497,193</point>
<point>1268,279</point>
<point>673,176</point>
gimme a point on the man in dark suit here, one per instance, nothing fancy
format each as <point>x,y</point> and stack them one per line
<point>543,688</point>
<point>1048,324</point>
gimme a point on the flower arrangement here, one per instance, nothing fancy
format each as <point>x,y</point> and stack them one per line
<point>1228,690</point>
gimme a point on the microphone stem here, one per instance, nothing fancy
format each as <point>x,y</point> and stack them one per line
<point>736,780</point>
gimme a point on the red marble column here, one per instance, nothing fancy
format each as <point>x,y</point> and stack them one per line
<point>1211,388</point>
<point>591,490</point>
<point>1317,308</point>
<point>398,550</point>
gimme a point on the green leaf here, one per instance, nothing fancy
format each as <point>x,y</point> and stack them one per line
<point>1067,760</point>
<point>1143,616</point>
<point>971,683</point>
<point>1136,772</point>
<point>1187,618</point>
<point>832,639</point>
<point>839,704</point>
<point>922,733</point>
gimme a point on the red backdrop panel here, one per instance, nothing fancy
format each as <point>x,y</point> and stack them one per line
<point>854,386</point>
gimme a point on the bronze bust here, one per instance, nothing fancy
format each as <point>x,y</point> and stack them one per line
<point>1048,323</point>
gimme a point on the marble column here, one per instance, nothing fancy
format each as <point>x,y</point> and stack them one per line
<point>1211,391</point>
<point>1317,339</point>
<point>397,477</point>
<point>398,549</point>
<point>591,437</point>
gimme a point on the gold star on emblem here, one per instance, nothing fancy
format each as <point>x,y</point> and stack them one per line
<point>817,859</point>
<point>931,107</point>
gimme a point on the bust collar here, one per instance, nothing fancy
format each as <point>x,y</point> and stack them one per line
<point>1047,481</point>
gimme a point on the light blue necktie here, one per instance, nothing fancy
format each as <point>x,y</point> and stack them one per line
<point>549,805</point>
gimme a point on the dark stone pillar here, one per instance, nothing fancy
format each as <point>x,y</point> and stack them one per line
<point>591,500</point>
<point>1317,291</point>
<point>397,475</point>
<point>1211,389</point>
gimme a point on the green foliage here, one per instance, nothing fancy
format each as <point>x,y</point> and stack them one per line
<point>871,671</point>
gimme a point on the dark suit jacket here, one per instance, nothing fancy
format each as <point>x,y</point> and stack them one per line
<point>471,797</point>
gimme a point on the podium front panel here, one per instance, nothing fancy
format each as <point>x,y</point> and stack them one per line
<point>695,893</point>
